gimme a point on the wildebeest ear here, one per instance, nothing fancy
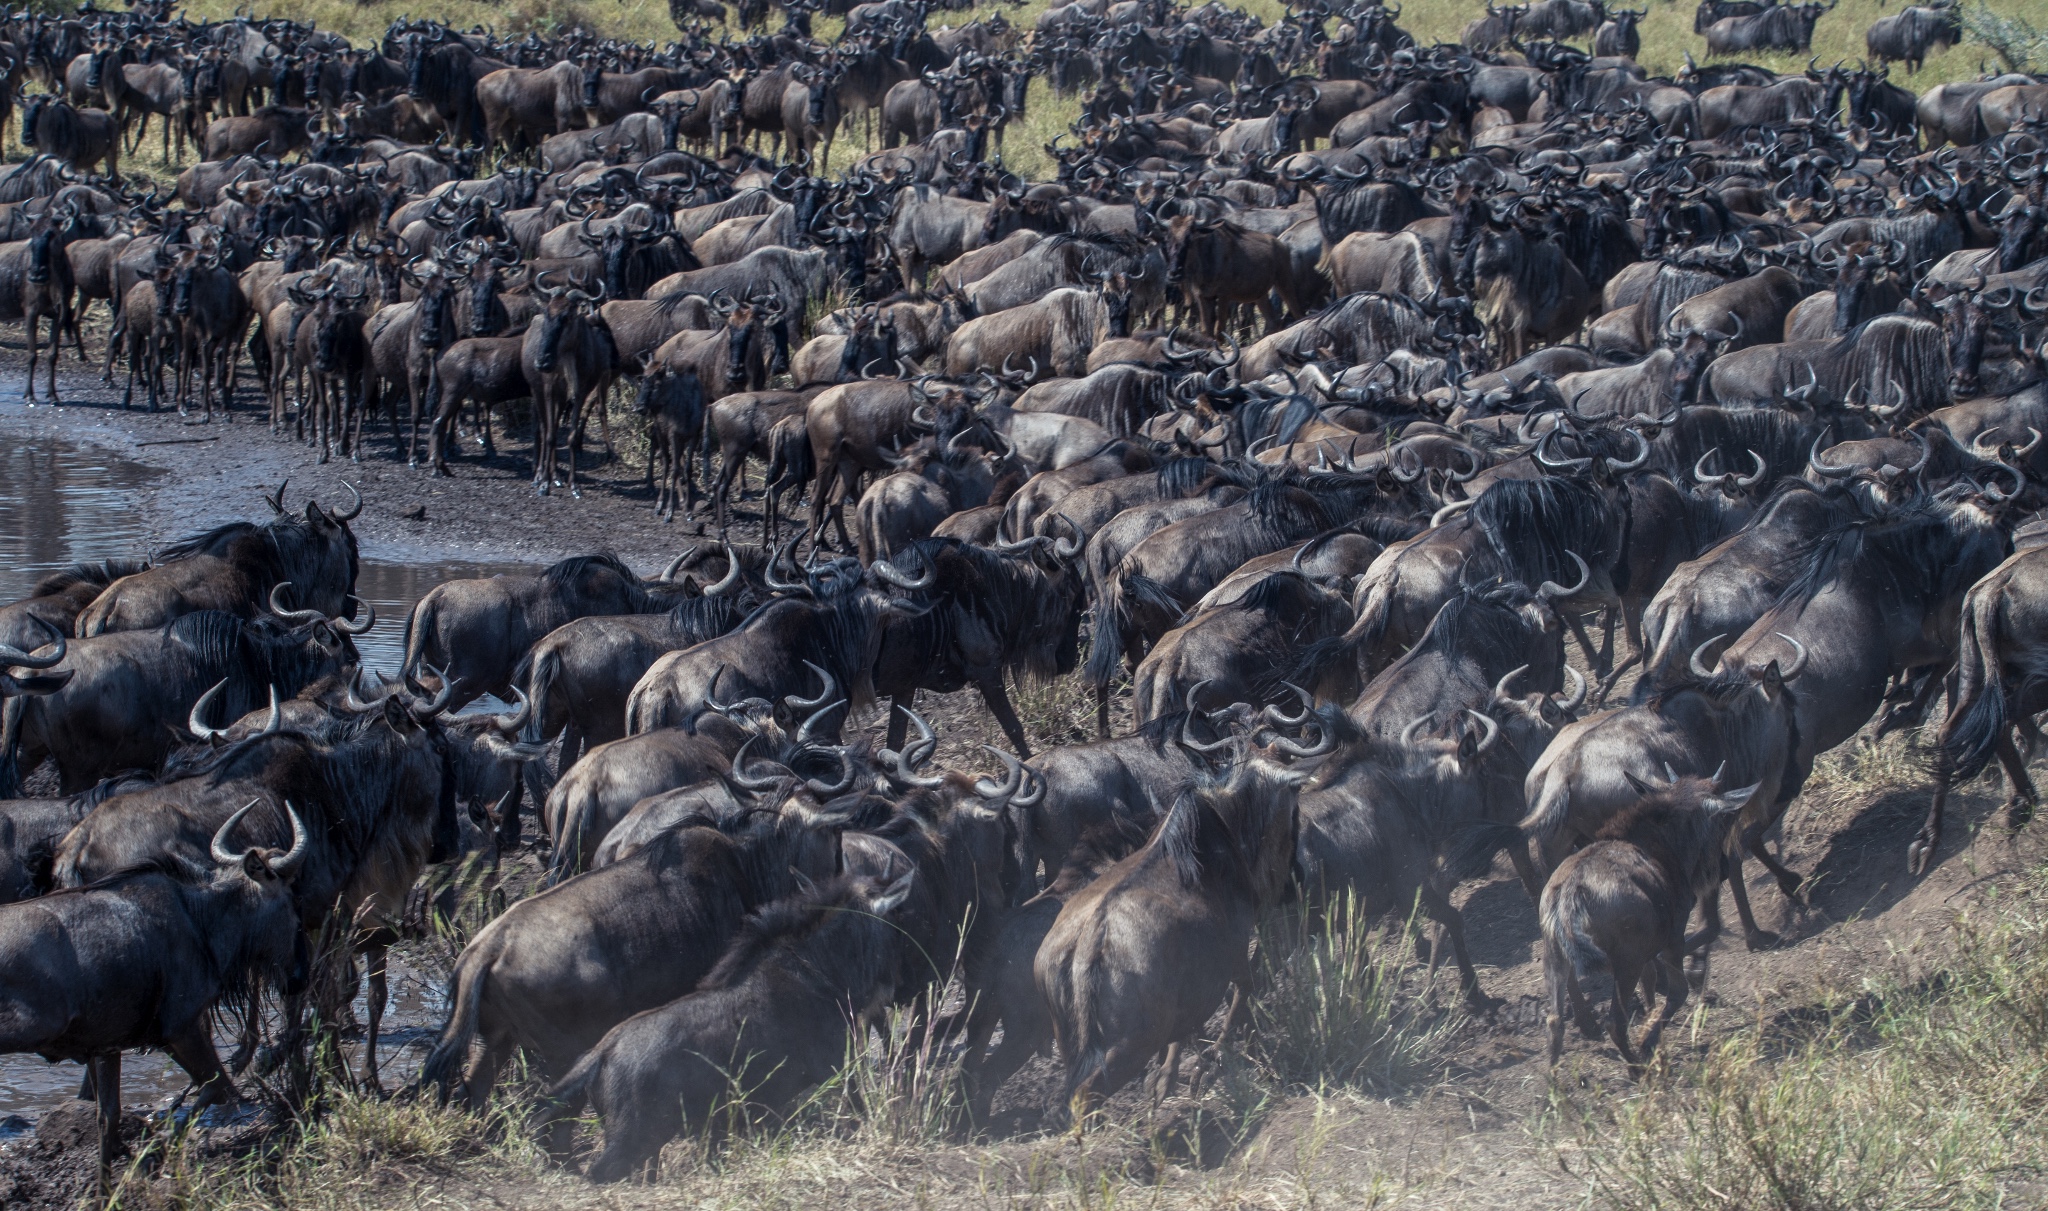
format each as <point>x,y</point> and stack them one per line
<point>1642,787</point>
<point>1735,800</point>
<point>893,895</point>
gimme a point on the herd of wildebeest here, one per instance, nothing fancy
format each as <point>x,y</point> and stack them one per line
<point>1331,384</point>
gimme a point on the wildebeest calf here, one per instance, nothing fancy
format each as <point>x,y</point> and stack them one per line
<point>1622,903</point>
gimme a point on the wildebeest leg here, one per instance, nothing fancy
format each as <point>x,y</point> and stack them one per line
<point>899,718</point>
<point>482,1074</point>
<point>1710,918</point>
<point>1437,906</point>
<point>576,448</point>
<point>193,1050</point>
<point>31,389</point>
<point>2019,805</point>
<point>1617,1018</point>
<point>374,954</point>
<point>1753,937</point>
<point>106,1087</point>
<point>1593,657</point>
<point>1608,682</point>
<point>1753,841</point>
<point>998,700</point>
<point>1102,712</point>
<point>1671,978</point>
<point>1162,1082</point>
<point>1525,870</point>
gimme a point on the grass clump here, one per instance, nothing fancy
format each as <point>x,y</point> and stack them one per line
<point>1347,1006</point>
<point>1912,1093</point>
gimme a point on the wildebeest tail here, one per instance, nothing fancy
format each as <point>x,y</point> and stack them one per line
<point>1472,850</point>
<point>1147,594</point>
<point>1564,927</point>
<point>1106,647</point>
<point>452,1048</point>
<point>1977,717</point>
<point>417,624</point>
<point>538,671</point>
<point>1549,806</point>
<point>12,709</point>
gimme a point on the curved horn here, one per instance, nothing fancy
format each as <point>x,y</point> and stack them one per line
<point>1554,591</point>
<point>829,692</point>
<point>194,724</point>
<point>522,710</point>
<point>1577,698</point>
<point>887,571</point>
<point>13,657</point>
<point>219,847</point>
<point>356,628</point>
<point>1699,668</point>
<point>731,577</point>
<point>1798,660</point>
<point>292,616</point>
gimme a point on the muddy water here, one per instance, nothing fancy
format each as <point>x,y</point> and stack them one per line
<point>59,504</point>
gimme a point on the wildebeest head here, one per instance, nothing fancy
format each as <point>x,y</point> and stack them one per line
<point>592,71</point>
<point>564,306</point>
<point>257,881</point>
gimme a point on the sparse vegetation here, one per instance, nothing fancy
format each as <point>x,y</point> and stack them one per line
<point>1912,1091</point>
<point>1346,1007</point>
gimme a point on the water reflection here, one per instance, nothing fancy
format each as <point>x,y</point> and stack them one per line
<point>59,505</point>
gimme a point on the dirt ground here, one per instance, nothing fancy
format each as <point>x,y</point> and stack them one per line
<point>1480,1136</point>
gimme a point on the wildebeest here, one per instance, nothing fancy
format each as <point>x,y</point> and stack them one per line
<point>142,957</point>
<point>236,569</point>
<point>130,692</point>
<point>472,633</point>
<point>1136,962</point>
<point>1622,904</point>
<point>1908,35</point>
<point>772,1018</point>
<point>660,919</point>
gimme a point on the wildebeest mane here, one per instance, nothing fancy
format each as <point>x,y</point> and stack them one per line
<point>564,574</point>
<point>696,619</point>
<point>1780,437</point>
<point>1529,524</point>
<point>295,551</point>
<point>99,574</point>
<point>1012,598</point>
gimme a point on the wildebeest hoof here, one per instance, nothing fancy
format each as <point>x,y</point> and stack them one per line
<point>1763,939</point>
<point>576,493</point>
<point>1921,852</point>
<point>2018,812</point>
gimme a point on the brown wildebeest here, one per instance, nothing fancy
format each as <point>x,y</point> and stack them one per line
<point>1136,962</point>
<point>1622,903</point>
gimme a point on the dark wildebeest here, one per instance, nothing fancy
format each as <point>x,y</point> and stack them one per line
<point>579,675</point>
<point>1622,904</point>
<point>473,633</point>
<point>1996,687</point>
<point>657,922</point>
<point>131,692</point>
<point>58,598</point>
<point>81,138</point>
<point>673,403</point>
<point>1135,964</point>
<point>1778,27</point>
<point>236,568</point>
<point>980,615</point>
<point>141,958</point>
<point>30,830</point>
<point>774,1018</point>
<point>1909,35</point>
<point>35,284</point>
